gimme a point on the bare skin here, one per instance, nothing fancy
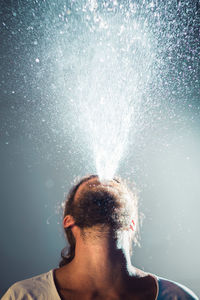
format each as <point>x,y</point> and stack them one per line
<point>99,269</point>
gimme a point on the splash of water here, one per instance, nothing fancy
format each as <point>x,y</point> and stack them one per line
<point>117,73</point>
<point>106,76</point>
<point>104,69</point>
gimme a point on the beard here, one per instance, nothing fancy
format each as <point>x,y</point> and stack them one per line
<point>102,209</point>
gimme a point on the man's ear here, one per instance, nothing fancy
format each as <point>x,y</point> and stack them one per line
<point>68,221</point>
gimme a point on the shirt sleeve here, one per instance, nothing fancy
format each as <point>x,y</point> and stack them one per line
<point>8,295</point>
<point>171,290</point>
<point>38,287</point>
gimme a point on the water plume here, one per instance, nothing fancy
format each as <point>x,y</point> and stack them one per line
<point>103,71</point>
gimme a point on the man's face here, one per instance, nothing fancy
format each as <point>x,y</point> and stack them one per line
<point>100,203</point>
<point>92,185</point>
<point>87,185</point>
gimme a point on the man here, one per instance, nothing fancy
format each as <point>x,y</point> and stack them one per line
<point>100,221</point>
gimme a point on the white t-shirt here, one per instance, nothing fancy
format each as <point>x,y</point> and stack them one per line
<point>43,287</point>
<point>38,287</point>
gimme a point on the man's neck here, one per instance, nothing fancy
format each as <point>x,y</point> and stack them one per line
<point>99,267</point>
<point>99,264</point>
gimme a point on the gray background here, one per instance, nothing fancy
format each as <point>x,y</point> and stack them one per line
<point>38,164</point>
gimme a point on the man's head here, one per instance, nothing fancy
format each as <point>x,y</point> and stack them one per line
<point>100,207</point>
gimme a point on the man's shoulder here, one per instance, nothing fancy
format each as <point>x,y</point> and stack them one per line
<point>32,287</point>
<point>32,281</point>
<point>169,289</point>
